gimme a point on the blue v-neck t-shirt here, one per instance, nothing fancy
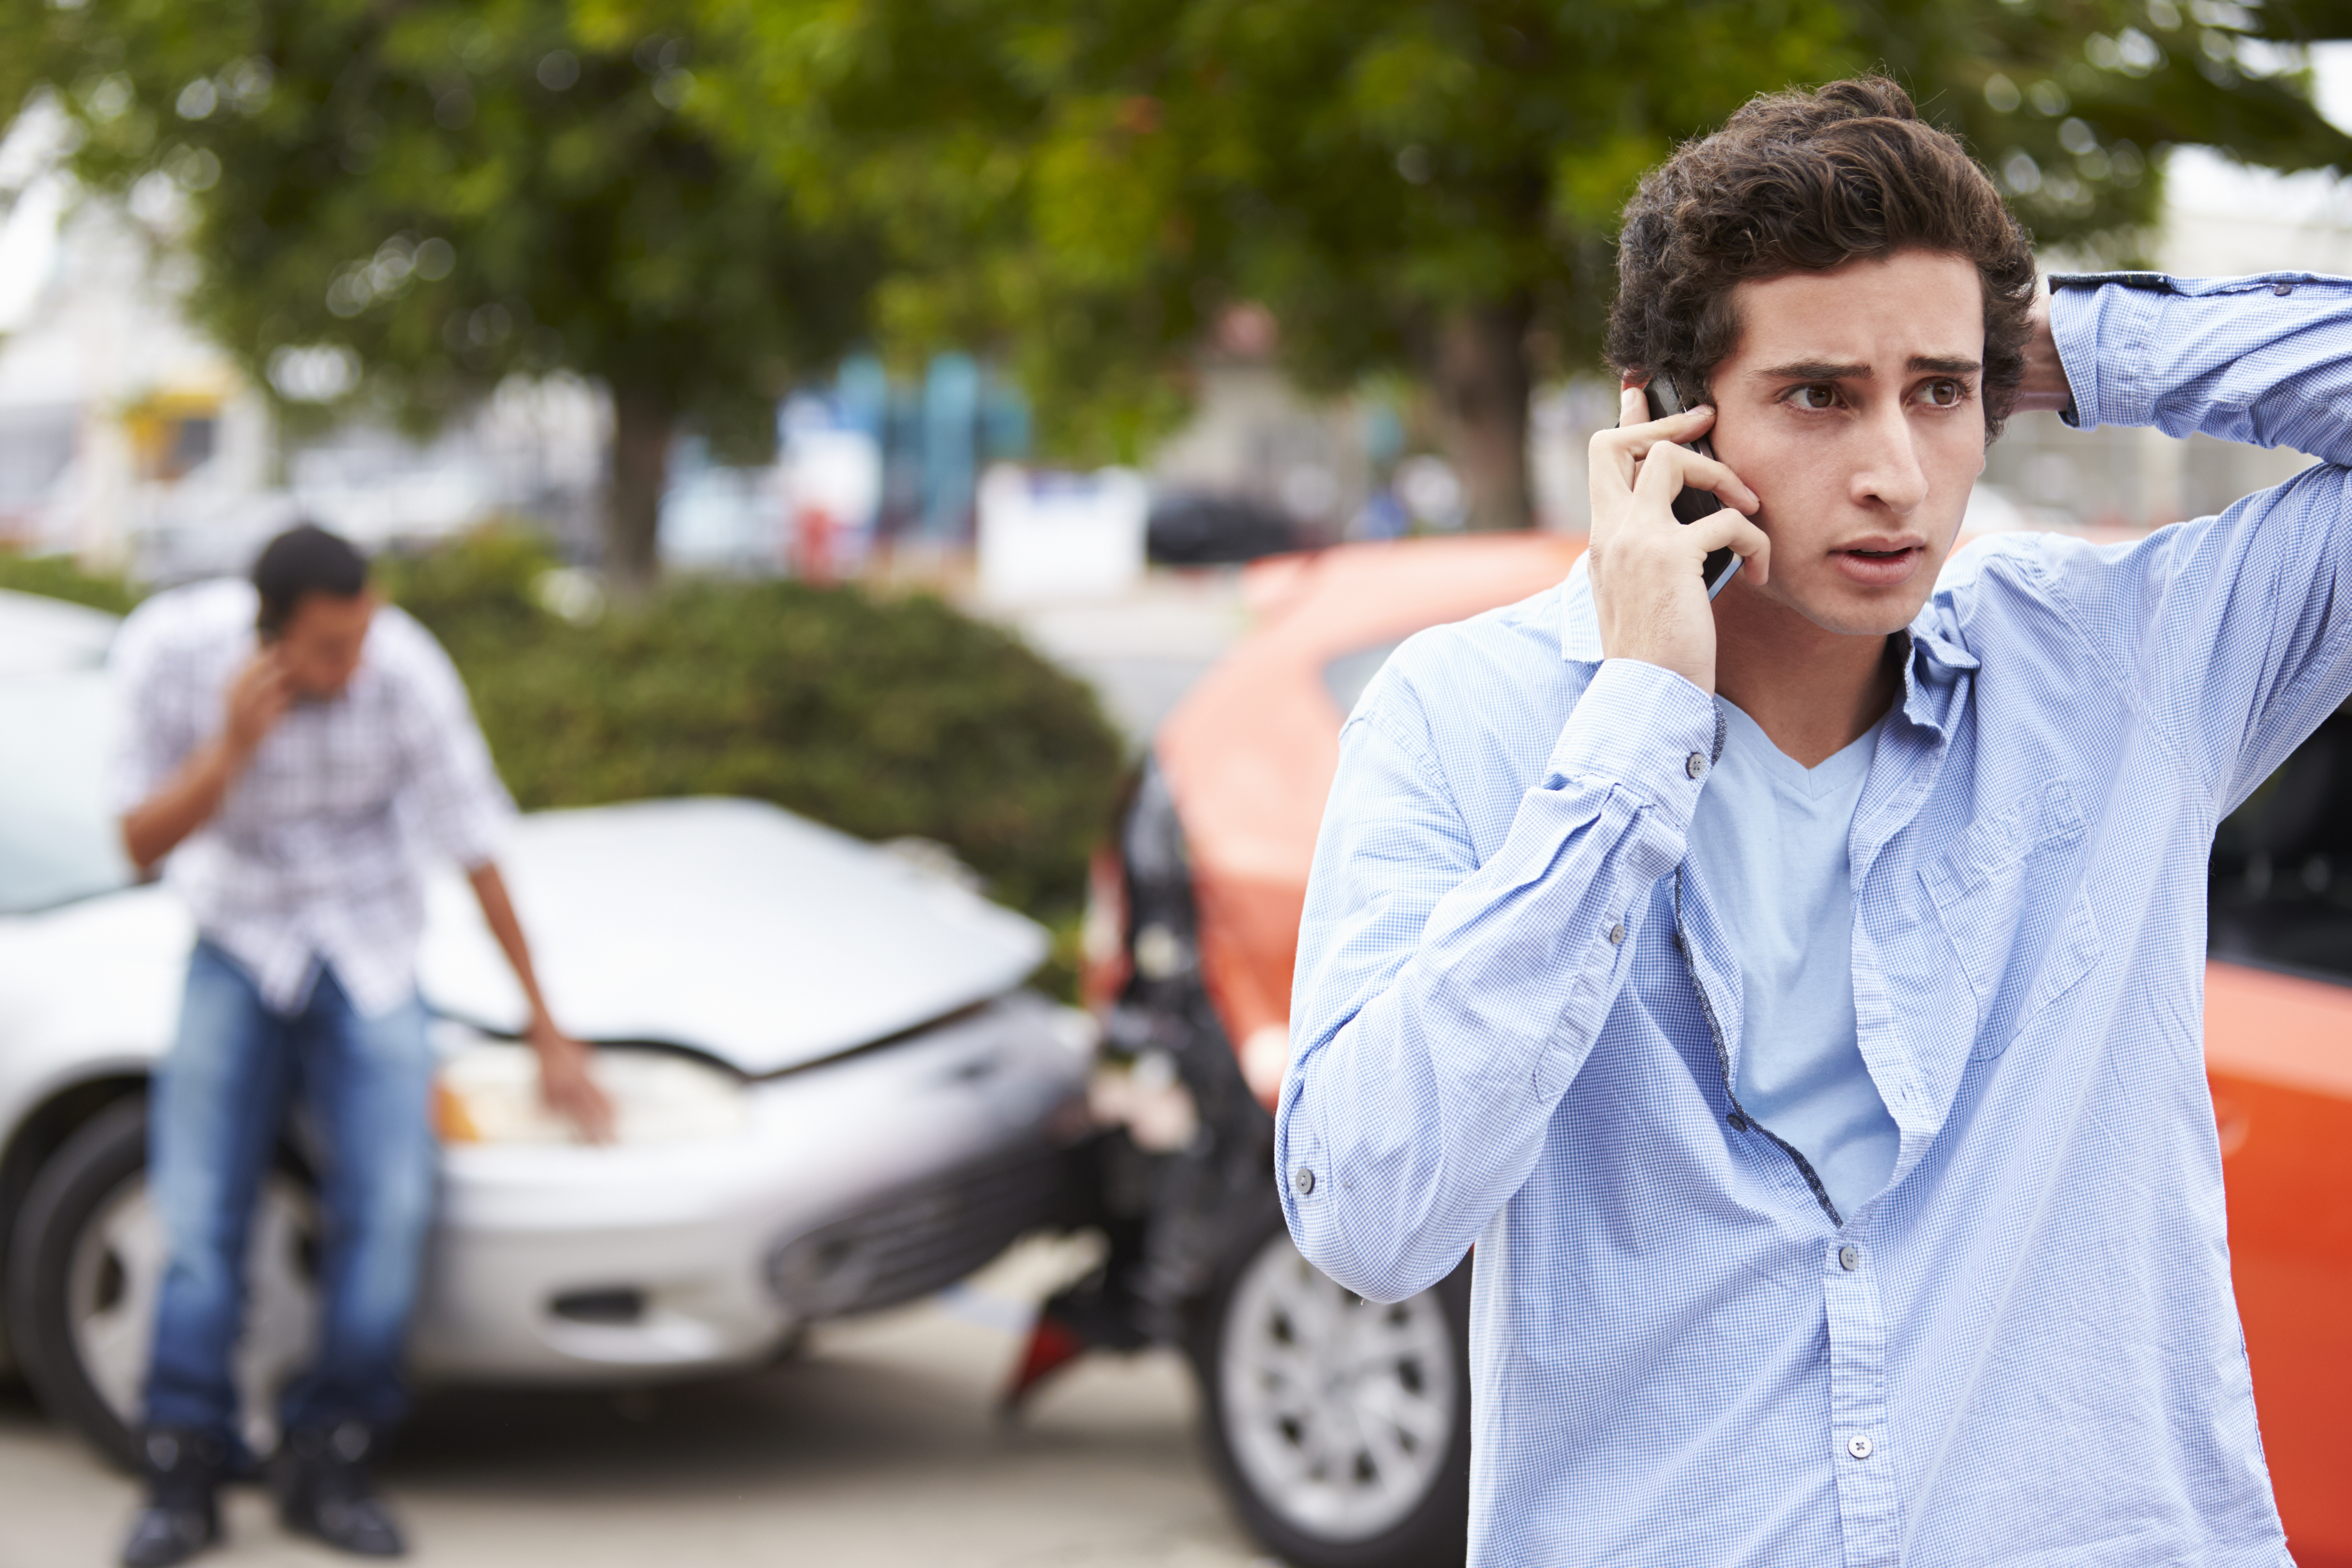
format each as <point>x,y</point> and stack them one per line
<point>1768,839</point>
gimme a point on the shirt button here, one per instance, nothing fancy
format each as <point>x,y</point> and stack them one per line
<point>1858,1445</point>
<point>1849,1259</point>
<point>1302,1181</point>
<point>1616,934</point>
<point>1738,1122</point>
<point>2281,287</point>
<point>1696,764</point>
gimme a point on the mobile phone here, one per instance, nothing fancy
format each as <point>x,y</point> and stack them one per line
<point>1720,565</point>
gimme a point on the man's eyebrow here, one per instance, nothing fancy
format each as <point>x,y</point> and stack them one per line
<point>1827,370</point>
<point>1816,370</point>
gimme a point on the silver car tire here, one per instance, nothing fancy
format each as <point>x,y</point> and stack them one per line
<point>84,1268</point>
<point>1339,1428</point>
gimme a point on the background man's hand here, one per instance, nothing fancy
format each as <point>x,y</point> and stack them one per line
<point>258,698</point>
<point>2045,389</point>
<point>1644,564</point>
<point>567,1082</point>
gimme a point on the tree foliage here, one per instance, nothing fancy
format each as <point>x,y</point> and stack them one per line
<point>440,192</point>
<point>678,195</point>
<point>1423,186</point>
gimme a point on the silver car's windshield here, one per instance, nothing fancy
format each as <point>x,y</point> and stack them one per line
<point>58,839</point>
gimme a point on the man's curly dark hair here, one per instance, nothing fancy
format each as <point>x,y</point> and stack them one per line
<point>1801,182</point>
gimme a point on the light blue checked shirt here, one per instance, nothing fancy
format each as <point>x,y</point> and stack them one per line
<point>1517,1014</point>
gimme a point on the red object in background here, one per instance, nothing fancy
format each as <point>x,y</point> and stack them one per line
<point>2278,1052</point>
<point>813,545</point>
<point>1053,1345</point>
<point>1250,755</point>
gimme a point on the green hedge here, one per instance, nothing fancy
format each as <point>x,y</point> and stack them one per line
<point>59,577</point>
<point>882,717</point>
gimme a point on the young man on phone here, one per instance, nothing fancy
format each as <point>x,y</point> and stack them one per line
<point>296,749</point>
<point>1796,998</point>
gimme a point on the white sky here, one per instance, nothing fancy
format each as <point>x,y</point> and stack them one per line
<point>2205,184</point>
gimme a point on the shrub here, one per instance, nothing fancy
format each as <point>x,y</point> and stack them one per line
<point>60,578</point>
<point>881,717</point>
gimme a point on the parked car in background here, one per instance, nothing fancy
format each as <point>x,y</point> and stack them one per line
<point>1193,529</point>
<point>1338,1427</point>
<point>834,1091</point>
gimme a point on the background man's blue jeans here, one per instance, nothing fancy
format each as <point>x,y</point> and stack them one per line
<point>218,1110</point>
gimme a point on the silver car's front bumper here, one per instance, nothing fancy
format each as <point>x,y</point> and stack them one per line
<point>853,1184</point>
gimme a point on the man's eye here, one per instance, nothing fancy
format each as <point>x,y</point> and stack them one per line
<point>1814,397</point>
<point>1945,393</point>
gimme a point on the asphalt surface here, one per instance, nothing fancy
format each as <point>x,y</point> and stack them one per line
<point>875,1446</point>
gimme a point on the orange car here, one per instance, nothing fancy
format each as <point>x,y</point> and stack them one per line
<point>1339,1428</point>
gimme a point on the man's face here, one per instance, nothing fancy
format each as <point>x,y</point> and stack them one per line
<point>321,644</point>
<point>1851,407</point>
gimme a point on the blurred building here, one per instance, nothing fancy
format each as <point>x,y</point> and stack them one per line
<point>114,415</point>
<point>1255,438</point>
<point>128,439</point>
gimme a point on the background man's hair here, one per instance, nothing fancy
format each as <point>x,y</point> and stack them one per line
<point>1801,182</point>
<point>305,559</point>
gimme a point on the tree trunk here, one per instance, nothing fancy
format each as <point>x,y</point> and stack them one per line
<point>642,425</point>
<point>1481,385</point>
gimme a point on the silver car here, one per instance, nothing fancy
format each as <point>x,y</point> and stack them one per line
<point>834,1091</point>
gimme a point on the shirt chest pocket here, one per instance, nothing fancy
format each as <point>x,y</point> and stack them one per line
<point>2018,921</point>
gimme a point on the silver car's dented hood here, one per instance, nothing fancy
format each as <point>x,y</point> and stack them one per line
<point>728,926</point>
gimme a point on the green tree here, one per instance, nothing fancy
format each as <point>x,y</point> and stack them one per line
<point>1428,187</point>
<point>420,198</point>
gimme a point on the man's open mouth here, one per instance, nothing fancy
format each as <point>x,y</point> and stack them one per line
<point>1881,566</point>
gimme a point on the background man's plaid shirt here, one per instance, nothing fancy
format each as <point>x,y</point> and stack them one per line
<point>316,855</point>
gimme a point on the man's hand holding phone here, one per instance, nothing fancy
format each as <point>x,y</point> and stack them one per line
<point>258,698</point>
<point>1646,566</point>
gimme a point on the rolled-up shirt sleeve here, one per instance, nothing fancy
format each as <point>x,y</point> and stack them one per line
<point>1442,1006</point>
<point>452,797</point>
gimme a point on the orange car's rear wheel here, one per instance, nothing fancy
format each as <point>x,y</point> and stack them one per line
<point>1339,1428</point>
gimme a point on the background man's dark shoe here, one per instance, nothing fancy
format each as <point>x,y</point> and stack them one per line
<point>324,1489</point>
<point>182,1514</point>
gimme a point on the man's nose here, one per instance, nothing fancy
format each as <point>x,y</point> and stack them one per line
<point>1890,473</point>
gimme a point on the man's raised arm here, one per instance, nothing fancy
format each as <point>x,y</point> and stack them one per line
<point>2234,634</point>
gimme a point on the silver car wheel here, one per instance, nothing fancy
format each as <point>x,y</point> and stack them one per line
<point>117,1271</point>
<point>1338,1412</point>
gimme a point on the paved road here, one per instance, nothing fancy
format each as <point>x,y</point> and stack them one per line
<point>875,1449</point>
<point>1143,650</point>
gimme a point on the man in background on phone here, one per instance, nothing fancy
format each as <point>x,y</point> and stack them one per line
<point>297,749</point>
<point>1796,999</point>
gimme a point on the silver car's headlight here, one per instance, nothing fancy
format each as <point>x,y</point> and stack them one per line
<point>487,1092</point>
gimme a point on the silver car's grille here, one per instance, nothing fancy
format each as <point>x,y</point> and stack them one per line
<point>920,1239</point>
